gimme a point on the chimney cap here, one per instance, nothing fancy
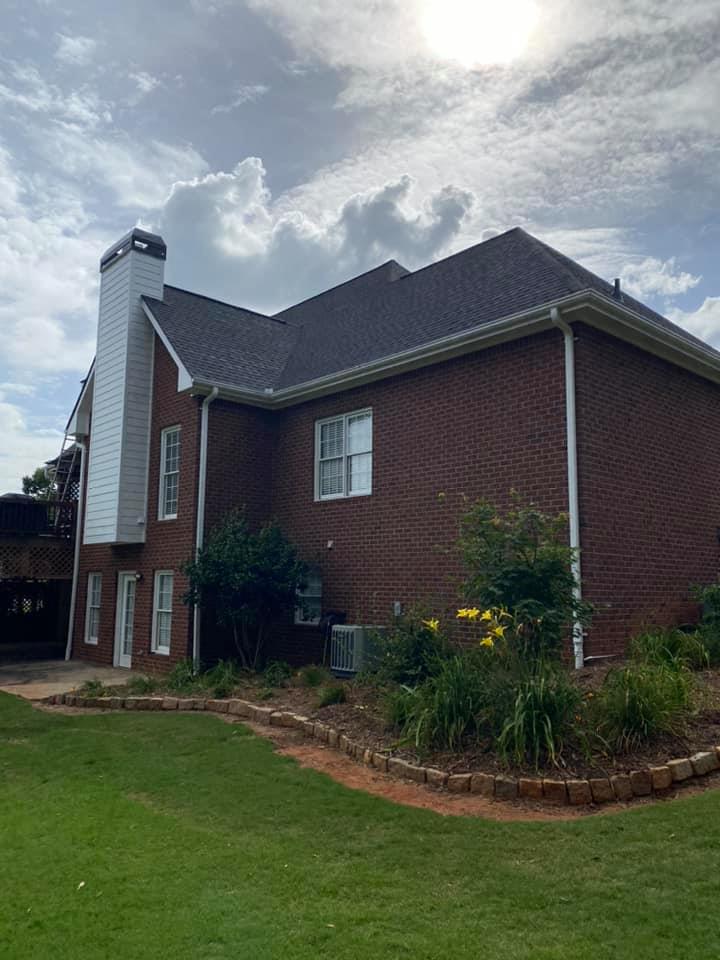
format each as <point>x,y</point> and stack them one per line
<point>151,244</point>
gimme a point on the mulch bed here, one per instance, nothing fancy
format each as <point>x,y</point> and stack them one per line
<point>361,719</point>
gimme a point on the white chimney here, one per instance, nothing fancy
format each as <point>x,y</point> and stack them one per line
<point>117,494</point>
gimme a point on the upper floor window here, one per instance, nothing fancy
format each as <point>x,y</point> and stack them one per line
<point>162,611</point>
<point>169,473</point>
<point>92,612</point>
<point>343,456</point>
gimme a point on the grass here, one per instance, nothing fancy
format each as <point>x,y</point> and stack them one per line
<point>192,839</point>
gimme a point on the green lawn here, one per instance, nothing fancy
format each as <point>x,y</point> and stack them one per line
<point>191,839</point>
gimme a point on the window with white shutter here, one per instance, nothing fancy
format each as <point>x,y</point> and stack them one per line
<point>343,456</point>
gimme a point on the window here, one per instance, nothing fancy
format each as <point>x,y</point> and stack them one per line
<point>169,472</point>
<point>309,607</point>
<point>343,456</point>
<point>92,612</point>
<point>162,611</point>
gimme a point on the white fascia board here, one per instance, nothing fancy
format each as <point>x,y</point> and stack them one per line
<point>467,341</point>
<point>78,424</point>
<point>185,381</point>
<point>587,306</point>
<point>620,321</point>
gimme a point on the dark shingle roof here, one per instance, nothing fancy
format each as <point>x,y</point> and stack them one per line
<point>219,343</point>
<point>380,313</point>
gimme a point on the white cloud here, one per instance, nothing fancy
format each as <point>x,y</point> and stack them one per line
<point>145,82</point>
<point>653,277</point>
<point>23,448</point>
<point>245,94</point>
<point>48,269</point>
<point>703,322</point>
<point>26,90</point>
<point>225,235</point>
<point>139,176</point>
<point>75,51</point>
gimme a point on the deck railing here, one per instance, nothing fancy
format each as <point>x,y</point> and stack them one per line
<point>38,518</point>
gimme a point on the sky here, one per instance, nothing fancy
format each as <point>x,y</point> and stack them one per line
<point>281,147</point>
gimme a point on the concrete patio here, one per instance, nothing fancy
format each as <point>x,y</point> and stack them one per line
<point>35,680</point>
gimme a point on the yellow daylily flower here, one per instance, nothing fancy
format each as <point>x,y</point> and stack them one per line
<point>487,642</point>
<point>432,624</point>
<point>499,631</point>
<point>486,615</point>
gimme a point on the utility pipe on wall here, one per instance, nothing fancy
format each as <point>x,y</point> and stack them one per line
<point>572,472</point>
<point>200,527</point>
<point>76,556</point>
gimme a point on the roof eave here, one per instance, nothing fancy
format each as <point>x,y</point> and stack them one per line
<point>599,311</point>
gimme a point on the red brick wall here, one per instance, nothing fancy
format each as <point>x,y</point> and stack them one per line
<point>169,543</point>
<point>649,463</point>
<point>475,426</point>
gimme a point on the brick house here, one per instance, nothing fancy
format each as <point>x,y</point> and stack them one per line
<point>361,417</point>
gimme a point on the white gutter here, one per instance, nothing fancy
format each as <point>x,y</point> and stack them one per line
<point>76,557</point>
<point>572,472</point>
<point>200,527</point>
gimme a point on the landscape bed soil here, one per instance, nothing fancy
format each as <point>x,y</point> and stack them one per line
<point>361,719</point>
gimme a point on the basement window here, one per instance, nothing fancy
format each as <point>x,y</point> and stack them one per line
<point>169,473</point>
<point>309,606</point>
<point>92,612</point>
<point>343,456</point>
<point>162,612</point>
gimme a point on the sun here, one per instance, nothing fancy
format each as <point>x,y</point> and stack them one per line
<point>476,32</point>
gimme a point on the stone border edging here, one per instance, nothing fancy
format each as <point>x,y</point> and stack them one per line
<point>656,780</point>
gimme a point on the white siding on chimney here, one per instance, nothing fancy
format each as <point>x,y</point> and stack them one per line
<point>116,510</point>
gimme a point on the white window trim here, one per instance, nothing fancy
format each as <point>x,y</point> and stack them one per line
<point>161,492</point>
<point>301,595</point>
<point>88,607</point>
<point>344,417</point>
<point>154,648</point>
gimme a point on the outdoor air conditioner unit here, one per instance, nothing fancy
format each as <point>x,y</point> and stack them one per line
<point>350,647</point>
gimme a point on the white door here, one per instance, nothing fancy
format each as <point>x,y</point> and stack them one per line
<point>124,620</point>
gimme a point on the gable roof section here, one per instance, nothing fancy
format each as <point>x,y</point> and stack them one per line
<point>380,314</point>
<point>217,342</point>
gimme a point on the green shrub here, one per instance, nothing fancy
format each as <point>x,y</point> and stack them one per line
<point>520,561</point>
<point>183,677</point>
<point>277,673</point>
<point>407,653</point>
<point>313,675</point>
<point>222,678</point>
<point>638,703</point>
<point>248,580</point>
<point>398,705</point>
<point>332,693</point>
<point>93,688</point>
<point>443,711</point>
<point>140,686</point>
<point>544,713</point>
<point>673,647</point>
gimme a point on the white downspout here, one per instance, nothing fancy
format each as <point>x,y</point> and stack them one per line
<point>572,471</point>
<point>200,527</point>
<point>76,556</point>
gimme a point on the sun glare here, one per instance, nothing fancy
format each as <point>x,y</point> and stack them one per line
<point>476,32</point>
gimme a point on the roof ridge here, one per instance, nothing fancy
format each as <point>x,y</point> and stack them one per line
<point>223,303</point>
<point>555,257</point>
<point>460,253</point>
<point>359,276</point>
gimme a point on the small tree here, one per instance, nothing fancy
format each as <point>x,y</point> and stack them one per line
<point>522,561</point>
<point>38,484</point>
<point>249,579</point>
